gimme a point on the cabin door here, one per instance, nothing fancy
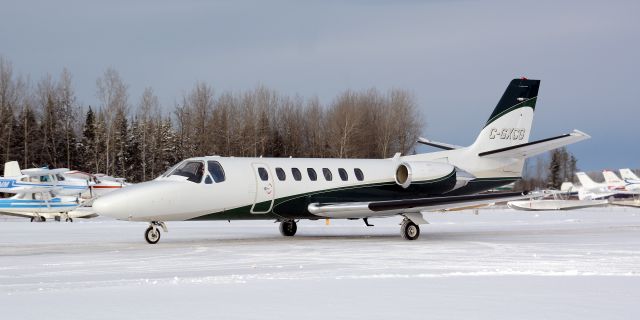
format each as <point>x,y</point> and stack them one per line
<point>263,201</point>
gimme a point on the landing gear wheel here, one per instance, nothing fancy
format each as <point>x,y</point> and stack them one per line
<point>288,228</point>
<point>57,218</point>
<point>68,220</point>
<point>409,230</point>
<point>152,235</point>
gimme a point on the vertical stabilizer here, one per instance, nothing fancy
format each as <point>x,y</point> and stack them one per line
<point>510,122</point>
<point>628,174</point>
<point>586,181</point>
<point>611,178</point>
<point>12,169</point>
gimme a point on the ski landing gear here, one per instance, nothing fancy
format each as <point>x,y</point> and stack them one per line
<point>152,234</point>
<point>288,228</point>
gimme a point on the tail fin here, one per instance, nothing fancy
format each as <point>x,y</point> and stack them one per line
<point>585,181</point>
<point>611,178</point>
<point>12,169</point>
<point>510,122</point>
<point>567,187</point>
<point>628,174</point>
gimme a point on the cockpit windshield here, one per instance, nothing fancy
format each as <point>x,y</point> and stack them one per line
<point>193,170</point>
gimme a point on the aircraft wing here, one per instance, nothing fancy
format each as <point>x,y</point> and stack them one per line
<point>36,172</point>
<point>536,147</point>
<point>391,207</point>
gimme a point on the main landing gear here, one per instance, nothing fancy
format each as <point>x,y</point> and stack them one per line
<point>409,230</point>
<point>152,234</point>
<point>38,219</point>
<point>288,228</point>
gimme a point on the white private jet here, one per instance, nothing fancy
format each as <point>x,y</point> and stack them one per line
<point>289,189</point>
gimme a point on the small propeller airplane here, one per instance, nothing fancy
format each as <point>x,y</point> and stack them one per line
<point>99,184</point>
<point>39,193</point>
<point>290,189</point>
<point>630,182</point>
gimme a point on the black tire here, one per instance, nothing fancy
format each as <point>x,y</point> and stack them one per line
<point>43,219</point>
<point>57,218</point>
<point>152,235</point>
<point>68,220</point>
<point>288,228</point>
<point>409,230</point>
<point>32,218</point>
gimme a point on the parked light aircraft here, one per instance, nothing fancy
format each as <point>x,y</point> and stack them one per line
<point>99,184</point>
<point>289,189</point>
<point>41,193</point>
<point>631,182</point>
<point>43,177</point>
<point>591,190</point>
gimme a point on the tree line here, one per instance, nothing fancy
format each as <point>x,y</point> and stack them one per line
<point>43,124</point>
<point>549,171</point>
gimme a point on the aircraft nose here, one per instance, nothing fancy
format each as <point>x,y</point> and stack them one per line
<point>113,205</point>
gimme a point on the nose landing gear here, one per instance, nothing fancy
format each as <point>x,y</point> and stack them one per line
<point>152,234</point>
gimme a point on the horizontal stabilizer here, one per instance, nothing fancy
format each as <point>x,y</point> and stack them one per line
<point>534,148</point>
<point>440,145</point>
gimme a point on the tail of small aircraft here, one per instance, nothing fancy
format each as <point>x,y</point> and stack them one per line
<point>503,143</point>
<point>586,181</point>
<point>628,174</point>
<point>510,122</point>
<point>12,169</point>
<point>611,178</point>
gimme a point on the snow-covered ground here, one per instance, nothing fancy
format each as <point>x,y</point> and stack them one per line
<point>500,264</point>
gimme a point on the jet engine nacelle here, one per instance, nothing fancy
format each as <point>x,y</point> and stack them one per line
<point>419,171</point>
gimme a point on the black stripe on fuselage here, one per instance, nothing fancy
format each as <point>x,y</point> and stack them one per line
<point>295,207</point>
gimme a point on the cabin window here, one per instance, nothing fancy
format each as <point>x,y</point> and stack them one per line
<point>296,174</point>
<point>216,171</point>
<point>312,174</point>
<point>264,175</point>
<point>59,177</point>
<point>343,174</point>
<point>327,174</point>
<point>359,174</point>
<point>193,170</point>
<point>280,173</point>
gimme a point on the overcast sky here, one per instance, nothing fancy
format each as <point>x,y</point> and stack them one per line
<point>456,57</point>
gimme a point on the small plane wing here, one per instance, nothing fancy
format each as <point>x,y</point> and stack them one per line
<point>390,207</point>
<point>536,147</point>
<point>36,172</point>
<point>441,145</point>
